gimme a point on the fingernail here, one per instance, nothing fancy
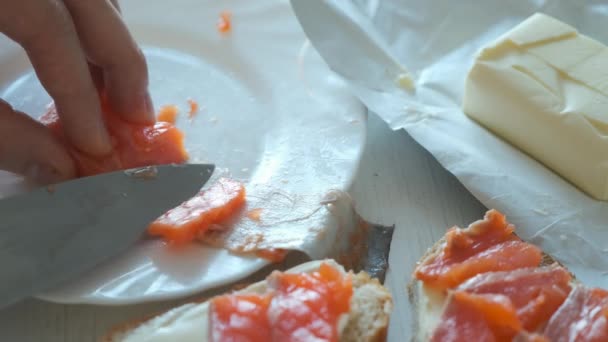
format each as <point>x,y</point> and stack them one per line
<point>136,108</point>
<point>43,174</point>
<point>102,138</point>
<point>148,107</point>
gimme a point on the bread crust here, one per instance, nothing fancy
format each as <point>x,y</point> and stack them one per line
<point>370,298</point>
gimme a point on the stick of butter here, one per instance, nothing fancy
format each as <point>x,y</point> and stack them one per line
<point>543,87</point>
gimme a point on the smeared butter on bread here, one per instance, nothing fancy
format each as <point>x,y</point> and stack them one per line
<point>429,305</point>
<point>368,319</point>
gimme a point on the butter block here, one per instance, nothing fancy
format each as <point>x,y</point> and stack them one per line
<point>543,87</point>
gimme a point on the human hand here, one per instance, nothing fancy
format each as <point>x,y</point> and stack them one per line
<point>74,47</point>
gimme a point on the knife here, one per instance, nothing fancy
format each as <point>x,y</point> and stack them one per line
<point>54,234</point>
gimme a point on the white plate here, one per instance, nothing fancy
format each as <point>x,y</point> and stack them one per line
<point>272,113</point>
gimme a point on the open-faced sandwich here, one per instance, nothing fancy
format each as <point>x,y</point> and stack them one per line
<point>316,301</point>
<point>483,283</point>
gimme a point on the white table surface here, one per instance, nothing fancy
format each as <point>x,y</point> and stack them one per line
<point>399,183</point>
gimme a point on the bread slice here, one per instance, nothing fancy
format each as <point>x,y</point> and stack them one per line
<point>367,321</point>
<point>428,304</point>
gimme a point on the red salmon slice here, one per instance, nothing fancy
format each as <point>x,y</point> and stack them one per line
<point>487,245</point>
<point>193,108</point>
<point>168,114</point>
<point>299,307</point>
<point>536,293</point>
<point>134,145</point>
<point>224,23</point>
<point>307,307</point>
<point>195,216</point>
<point>582,317</point>
<point>274,255</point>
<point>477,317</point>
<point>242,318</point>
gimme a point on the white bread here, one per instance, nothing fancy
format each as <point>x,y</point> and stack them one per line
<point>367,321</point>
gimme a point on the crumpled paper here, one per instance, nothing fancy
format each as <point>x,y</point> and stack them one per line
<point>325,228</point>
<point>377,46</point>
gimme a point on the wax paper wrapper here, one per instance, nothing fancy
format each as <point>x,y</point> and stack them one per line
<point>326,227</point>
<point>407,61</point>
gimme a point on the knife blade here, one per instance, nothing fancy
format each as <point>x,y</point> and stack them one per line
<point>52,235</point>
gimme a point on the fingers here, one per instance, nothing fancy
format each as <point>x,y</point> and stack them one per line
<point>28,148</point>
<point>97,72</point>
<point>109,45</point>
<point>50,40</point>
<point>116,4</point>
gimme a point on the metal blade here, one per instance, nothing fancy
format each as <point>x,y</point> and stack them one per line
<point>50,236</point>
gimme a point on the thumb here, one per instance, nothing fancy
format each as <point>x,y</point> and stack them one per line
<point>28,148</point>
